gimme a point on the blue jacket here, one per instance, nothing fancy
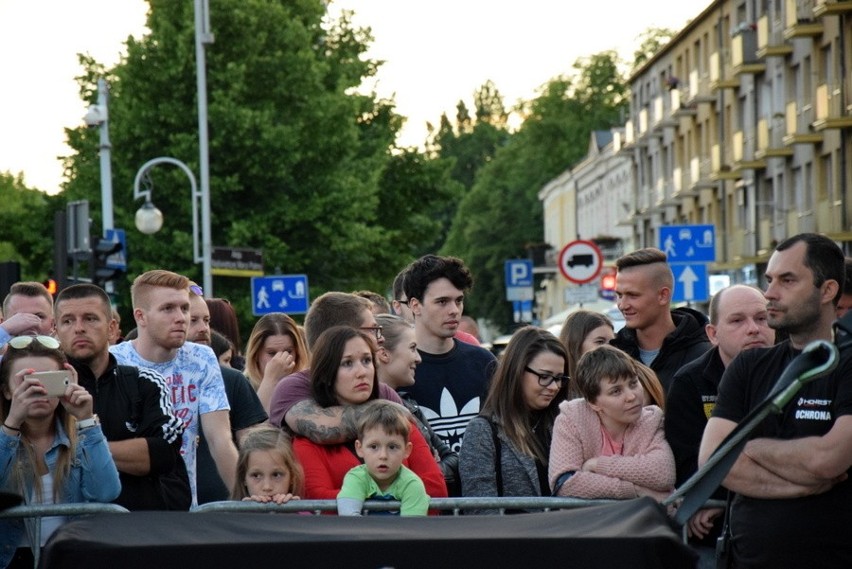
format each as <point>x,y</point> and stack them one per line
<point>93,478</point>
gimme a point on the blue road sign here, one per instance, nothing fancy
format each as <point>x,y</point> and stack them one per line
<point>117,260</point>
<point>688,243</point>
<point>519,272</point>
<point>690,283</point>
<point>519,280</point>
<point>279,293</point>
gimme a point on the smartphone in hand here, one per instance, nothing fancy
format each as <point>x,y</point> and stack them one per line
<point>55,382</point>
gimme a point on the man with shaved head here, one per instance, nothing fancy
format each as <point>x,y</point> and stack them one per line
<point>661,338</point>
<point>738,321</point>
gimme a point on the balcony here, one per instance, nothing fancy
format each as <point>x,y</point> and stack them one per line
<point>770,39</point>
<point>720,71</point>
<point>699,175</point>
<point>770,139</point>
<point>831,7</point>
<point>800,21</point>
<point>678,182</point>
<point>662,113</point>
<point>678,108</point>
<point>699,89</point>
<point>742,153</point>
<point>644,124</point>
<point>830,112</point>
<point>744,58</point>
<point>663,196</point>
<point>799,129</point>
<point>719,169</point>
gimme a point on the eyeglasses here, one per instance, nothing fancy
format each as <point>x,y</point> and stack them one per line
<point>21,342</point>
<point>195,289</point>
<point>545,379</point>
<point>377,330</point>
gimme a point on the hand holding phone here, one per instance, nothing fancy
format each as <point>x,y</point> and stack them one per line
<point>55,382</point>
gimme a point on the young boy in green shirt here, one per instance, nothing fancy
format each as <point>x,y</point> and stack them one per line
<point>382,444</point>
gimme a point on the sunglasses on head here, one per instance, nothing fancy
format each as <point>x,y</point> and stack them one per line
<point>195,289</point>
<point>21,342</point>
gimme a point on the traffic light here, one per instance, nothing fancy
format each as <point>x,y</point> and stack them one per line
<point>607,286</point>
<point>102,272</point>
<point>51,285</point>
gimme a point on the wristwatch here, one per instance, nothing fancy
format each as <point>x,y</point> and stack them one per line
<point>88,423</point>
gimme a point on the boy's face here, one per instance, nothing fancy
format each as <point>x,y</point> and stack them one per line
<point>383,454</point>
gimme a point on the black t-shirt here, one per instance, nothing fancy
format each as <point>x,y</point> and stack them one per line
<point>815,531</point>
<point>246,411</point>
<point>451,387</point>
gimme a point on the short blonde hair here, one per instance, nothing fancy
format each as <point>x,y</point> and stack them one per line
<point>158,278</point>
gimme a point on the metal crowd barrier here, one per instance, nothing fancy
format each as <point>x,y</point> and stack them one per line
<point>455,506</point>
<point>452,506</point>
<point>44,511</point>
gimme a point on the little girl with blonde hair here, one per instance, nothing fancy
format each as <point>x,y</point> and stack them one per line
<point>267,469</point>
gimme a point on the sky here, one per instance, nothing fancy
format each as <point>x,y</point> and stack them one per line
<point>435,54</point>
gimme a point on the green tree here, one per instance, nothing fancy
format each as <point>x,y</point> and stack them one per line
<point>650,42</point>
<point>501,216</point>
<point>470,142</point>
<point>296,156</point>
<point>415,195</point>
<point>26,226</point>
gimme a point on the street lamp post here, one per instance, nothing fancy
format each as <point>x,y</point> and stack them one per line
<point>203,36</point>
<point>149,219</point>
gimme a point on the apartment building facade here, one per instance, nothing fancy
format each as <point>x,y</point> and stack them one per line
<point>589,201</point>
<point>743,121</point>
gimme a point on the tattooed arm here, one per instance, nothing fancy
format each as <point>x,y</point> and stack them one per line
<point>330,425</point>
<point>322,425</point>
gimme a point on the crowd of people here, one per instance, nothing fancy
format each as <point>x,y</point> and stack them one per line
<point>389,399</point>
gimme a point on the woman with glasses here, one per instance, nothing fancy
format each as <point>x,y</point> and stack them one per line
<point>609,444</point>
<point>52,449</point>
<point>505,448</point>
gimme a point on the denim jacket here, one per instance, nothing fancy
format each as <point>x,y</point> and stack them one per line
<point>92,478</point>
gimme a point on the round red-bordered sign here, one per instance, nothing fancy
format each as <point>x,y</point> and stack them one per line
<point>580,261</point>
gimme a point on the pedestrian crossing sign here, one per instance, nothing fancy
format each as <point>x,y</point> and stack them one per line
<point>279,293</point>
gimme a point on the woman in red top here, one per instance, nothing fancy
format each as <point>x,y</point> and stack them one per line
<point>343,373</point>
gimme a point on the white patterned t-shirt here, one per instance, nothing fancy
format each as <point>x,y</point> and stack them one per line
<point>195,385</point>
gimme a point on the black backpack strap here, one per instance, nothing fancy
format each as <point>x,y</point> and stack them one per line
<point>498,464</point>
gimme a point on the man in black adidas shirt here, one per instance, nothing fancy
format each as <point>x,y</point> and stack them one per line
<point>794,503</point>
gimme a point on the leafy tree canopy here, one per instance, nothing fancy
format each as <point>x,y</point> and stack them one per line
<point>501,216</point>
<point>650,42</point>
<point>26,226</point>
<point>300,162</point>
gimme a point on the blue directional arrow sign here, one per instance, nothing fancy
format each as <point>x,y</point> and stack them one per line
<point>279,293</point>
<point>690,283</point>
